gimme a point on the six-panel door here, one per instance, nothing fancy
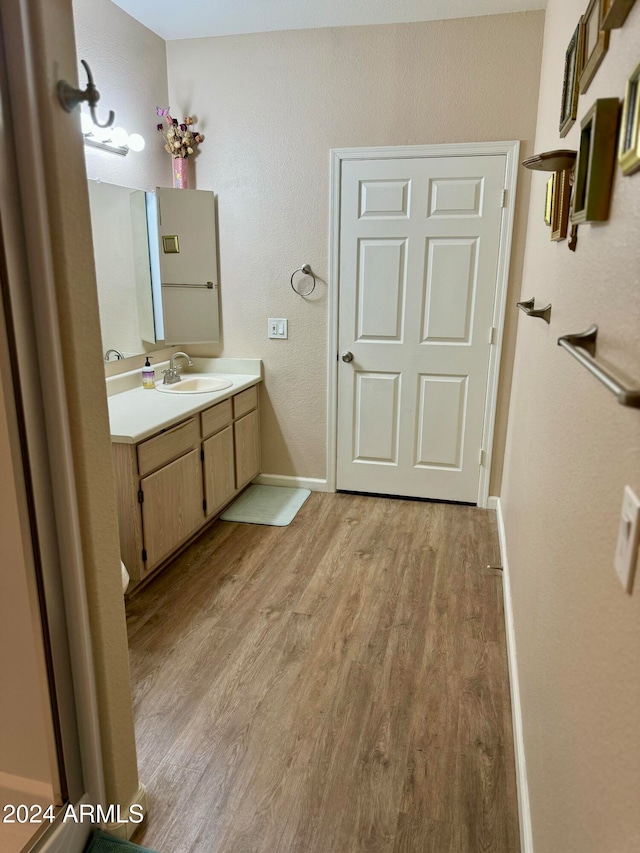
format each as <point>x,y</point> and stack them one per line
<point>419,247</point>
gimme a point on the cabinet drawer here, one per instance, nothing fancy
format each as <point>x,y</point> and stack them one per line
<point>245,401</point>
<point>215,418</point>
<point>167,446</point>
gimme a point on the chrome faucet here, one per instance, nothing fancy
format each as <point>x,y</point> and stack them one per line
<point>171,374</point>
<point>117,353</point>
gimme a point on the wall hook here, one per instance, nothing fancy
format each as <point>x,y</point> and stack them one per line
<point>70,97</point>
<point>530,311</point>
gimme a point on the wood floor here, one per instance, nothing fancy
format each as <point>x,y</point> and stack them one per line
<point>336,685</point>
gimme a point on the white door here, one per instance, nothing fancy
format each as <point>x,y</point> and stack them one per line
<point>419,246</point>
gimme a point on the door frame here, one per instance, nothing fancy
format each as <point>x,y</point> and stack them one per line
<point>510,149</point>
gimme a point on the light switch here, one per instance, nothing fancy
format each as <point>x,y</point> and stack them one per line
<point>278,327</point>
<point>628,537</point>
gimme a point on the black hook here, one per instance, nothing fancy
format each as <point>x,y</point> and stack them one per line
<point>70,97</point>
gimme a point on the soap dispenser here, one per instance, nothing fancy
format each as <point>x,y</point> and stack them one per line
<point>148,375</point>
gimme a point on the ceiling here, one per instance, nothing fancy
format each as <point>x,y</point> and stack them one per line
<point>198,18</point>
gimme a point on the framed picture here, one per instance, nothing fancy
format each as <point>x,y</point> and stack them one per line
<point>596,42</point>
<point>548,201</point>
<point>572,62</point>
<point>560,205</point>
<point>596,160</point>
<point>615,13</point>
<point>629,148</point>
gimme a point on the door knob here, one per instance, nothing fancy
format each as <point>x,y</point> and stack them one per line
<point>347,356</point>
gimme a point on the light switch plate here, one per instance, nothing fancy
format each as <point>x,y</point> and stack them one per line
<point>628,536</point>
<point>278,327</point>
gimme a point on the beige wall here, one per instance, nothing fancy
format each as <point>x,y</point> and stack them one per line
<point>571,450</point>
<point>23,738</point>
<point>67,204</point>
<point>129,68</point>
<point>272,106</point>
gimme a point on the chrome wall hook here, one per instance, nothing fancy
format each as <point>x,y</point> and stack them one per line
<point>70,97</point>
<point>530,311</point>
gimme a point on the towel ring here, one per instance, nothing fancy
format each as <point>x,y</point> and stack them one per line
<point>306,270</point>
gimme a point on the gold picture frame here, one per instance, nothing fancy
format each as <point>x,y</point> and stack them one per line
<point>615,13</point>
<point>596,161</point>
<point>548,201</point>
<point>629,147</point>
<point>596,43</point>
<point>560,204</point>
<point>570,90</point>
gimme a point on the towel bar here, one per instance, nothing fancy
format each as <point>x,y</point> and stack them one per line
<point>582,346</point>
<point>209,285</point>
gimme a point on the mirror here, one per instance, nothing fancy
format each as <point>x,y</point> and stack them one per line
<point>121,251</point>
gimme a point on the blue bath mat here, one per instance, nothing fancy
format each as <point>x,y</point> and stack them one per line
<point>102,842</point>
<point>275,505</point>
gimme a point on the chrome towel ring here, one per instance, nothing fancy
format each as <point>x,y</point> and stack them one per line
<point>306,270</point>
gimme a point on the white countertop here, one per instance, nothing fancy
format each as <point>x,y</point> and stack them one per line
<point>136,413</point>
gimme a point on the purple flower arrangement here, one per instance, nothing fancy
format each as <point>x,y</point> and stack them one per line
<point>180,140</point>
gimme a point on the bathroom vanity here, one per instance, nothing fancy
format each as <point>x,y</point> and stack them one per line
<point>180,458</point>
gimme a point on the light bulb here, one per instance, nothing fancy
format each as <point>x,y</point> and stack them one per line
<point>119,136</point>
<point>136,142</point>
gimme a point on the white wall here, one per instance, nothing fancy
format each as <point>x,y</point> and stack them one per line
<point>571,450</point>
<point>272,106</point>
<point>129,68</point>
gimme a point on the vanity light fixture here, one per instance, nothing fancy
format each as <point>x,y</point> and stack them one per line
<point>115,139</point>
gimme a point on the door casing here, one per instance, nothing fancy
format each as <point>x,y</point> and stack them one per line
<point>511,151</point>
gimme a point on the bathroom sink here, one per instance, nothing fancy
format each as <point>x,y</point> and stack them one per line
<point>195,385</point>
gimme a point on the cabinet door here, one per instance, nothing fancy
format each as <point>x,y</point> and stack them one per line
<point>172,506</point>
<point>189,215</point>
<point>219,474</point>
<point>188,265</point>
<point>247,439</point>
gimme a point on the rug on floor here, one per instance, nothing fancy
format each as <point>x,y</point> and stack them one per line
<point>273,505</point>
<point>102,842</point>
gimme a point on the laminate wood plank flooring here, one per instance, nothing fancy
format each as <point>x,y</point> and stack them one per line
<point>337,685</point>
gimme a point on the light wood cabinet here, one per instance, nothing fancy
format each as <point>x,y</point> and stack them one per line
<point>172,508</point>
<point>170,445</point>
<point>247,441</point>
<point>245,401</point>
<point>218,470</point>
<point>216,418</point>
<point>171,484</point>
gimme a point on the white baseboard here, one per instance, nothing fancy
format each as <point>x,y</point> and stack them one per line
<point>492,502</point>
<point>524,810</point>
<point>27,787</point>
<point>126,827</point>
<point>292,482</point>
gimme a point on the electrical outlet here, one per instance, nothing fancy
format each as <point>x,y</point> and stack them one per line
<point>278,327</point>
<point>628,536</point>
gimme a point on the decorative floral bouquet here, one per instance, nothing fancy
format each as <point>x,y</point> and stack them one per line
<point>179,139</point>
